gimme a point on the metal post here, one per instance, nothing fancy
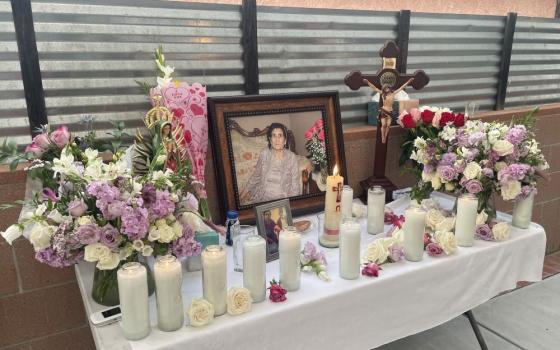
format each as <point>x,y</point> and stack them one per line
<point>509,30</point>
<point>402,40</point>
<point>476,330</point>
<point>250,46</point>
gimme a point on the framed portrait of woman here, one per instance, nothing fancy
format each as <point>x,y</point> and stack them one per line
<point>272,147</point>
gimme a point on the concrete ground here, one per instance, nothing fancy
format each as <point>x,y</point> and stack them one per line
<point>527,318</point>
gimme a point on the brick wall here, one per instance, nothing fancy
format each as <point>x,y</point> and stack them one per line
<point>41,307</point>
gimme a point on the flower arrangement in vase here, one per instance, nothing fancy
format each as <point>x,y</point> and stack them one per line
<point>315,146</point>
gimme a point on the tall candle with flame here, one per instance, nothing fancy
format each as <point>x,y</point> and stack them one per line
<point>333,210</point>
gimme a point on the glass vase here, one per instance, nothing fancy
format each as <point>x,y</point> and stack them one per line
<point>105,290</point>
<point>486,202</point>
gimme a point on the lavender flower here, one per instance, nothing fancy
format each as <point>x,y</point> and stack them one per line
<point>311,253</point>
<point>49,194</point>
<point>488,172</point>
<point>447,173</point>
<point>513,172</point>
<point>527,190</point>
<point>448,159</point>
<point>113,210</point>
<point>516,134</point>
<point>473,186</point>
<point>162,206</point>
<point>110,236</point>
<point>49,257</point>
<point>484,232</point>
<point>88,233</point>
<point>77,207</point>
<point>149,194</point>
<point>135,222</point>
<point>396,252</point>
<point>186,245</point>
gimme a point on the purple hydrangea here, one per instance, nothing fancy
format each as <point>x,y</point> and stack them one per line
<point>526,191</point>
<point>514,172</point>
<point>49,257</point>
<point>473,186</point>
<point>88,233</point>
<point>476,137</point>
<point>516,134</point>
<point>446,172</point>
<point>448,159</point>
<point>186,245</point>
<point>110,236</point>
<point>162,206</point>
<point>471,155</point>
<point>135,222</point>
<point>484,232</point>
<point>149,193</point>
<point>108,199</point>
<point>462,138</point>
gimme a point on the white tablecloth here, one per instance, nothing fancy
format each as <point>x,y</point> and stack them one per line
<point>365,313</point>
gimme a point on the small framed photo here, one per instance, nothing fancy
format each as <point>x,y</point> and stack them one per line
<point>272,218</point>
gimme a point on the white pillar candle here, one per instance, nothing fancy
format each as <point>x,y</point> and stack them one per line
<point>413,243</point>
<point>168,276</point>
<point>254,267</point>
<point>132,280</point>
<point>333,210</point>
<point>214,278</point>
<point>465,224</point>
<point>347,198</point>
<point>289,250</point>
<point>350,234</point>
<point>376,210</point>
<point>523,211</point>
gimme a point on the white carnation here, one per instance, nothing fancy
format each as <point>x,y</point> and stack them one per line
<point>503,147</point>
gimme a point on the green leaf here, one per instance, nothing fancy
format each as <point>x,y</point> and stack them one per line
<point>14,164</point>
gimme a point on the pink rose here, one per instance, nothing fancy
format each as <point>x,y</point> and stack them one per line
<point>308,135</point>
<point>61,136</point>
<point>277,293</point>
<point>434,249</point>
<point>77,208</point>
<point>318,123</point>
<point>32,147</point>
<point>436,119</point>
<point>371,270</point>
<point>321,135</point>
<point>42,140</point>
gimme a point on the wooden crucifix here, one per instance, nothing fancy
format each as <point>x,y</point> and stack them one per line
<point>387,82</point>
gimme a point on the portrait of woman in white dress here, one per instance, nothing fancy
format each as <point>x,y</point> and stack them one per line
<point>276,174</point>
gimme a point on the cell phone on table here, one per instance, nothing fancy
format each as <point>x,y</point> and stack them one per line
<point>105,317</point>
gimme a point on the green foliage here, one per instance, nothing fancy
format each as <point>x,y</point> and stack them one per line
<point>528,119</point>
<point>9,154</point>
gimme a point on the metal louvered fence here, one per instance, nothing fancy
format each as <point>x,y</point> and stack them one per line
<point>82,57</point>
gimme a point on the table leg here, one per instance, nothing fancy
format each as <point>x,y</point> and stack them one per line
<point>476,330</point>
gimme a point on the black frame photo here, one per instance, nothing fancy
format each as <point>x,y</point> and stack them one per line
<point>243,132</point>
<point>272,218</point>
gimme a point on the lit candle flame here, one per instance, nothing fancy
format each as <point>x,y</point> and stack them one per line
<point>335,170</point>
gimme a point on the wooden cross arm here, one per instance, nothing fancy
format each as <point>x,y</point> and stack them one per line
<point>355,80</point>
<point>421,79</point>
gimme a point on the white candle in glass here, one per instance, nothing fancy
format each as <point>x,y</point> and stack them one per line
<point>376,210</point>
<point>347,198</point>
<point>254,267</point>
<point>168,276</point>
<point>350,234</point>
<point>333,210</point>
<point>414,226</point>
<point>132,280</point>
<point>465,224</point>
<point>289,250</point>
<point>214,278</point>
<point>523,211</point>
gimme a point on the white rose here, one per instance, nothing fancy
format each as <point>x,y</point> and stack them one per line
<point>510,190</point>
<point>436,182</point>
<point>481,218</point>
<point>40,236</point>
<point>12,232</point>
<point>177,229</point>
<point>166,234</point>
<point>449,186</point>
<point>138,245</point>
<point>147,250</point>
<point>446,241</point>
<point>472,171</point>
<point>200,313</point>
<point>433,218</point>
<point>501,231</point>
<point>108,262</point>
<point>500,165</point>
<point>238,301</point>
<point>503,147</point>
<point>83,220</point>
<point>375,253</point>
<point>398,234</point>
<point>448,224</point>
<point>94,252</point>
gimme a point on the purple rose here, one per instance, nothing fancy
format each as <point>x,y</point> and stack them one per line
<point>473,186</point>
<point>434,249</point>
<point>88,233</point>
<point>77,207</point>
<point>113,210</point>
<point>488,172</point>
<point>446,172</point>
<point>484,232</point>
<point>396,252</point>
<point>110,236</point>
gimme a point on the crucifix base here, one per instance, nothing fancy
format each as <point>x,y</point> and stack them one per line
<point>377,181</point>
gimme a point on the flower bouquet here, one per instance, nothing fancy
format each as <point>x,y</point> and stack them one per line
<point>315,146</point>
